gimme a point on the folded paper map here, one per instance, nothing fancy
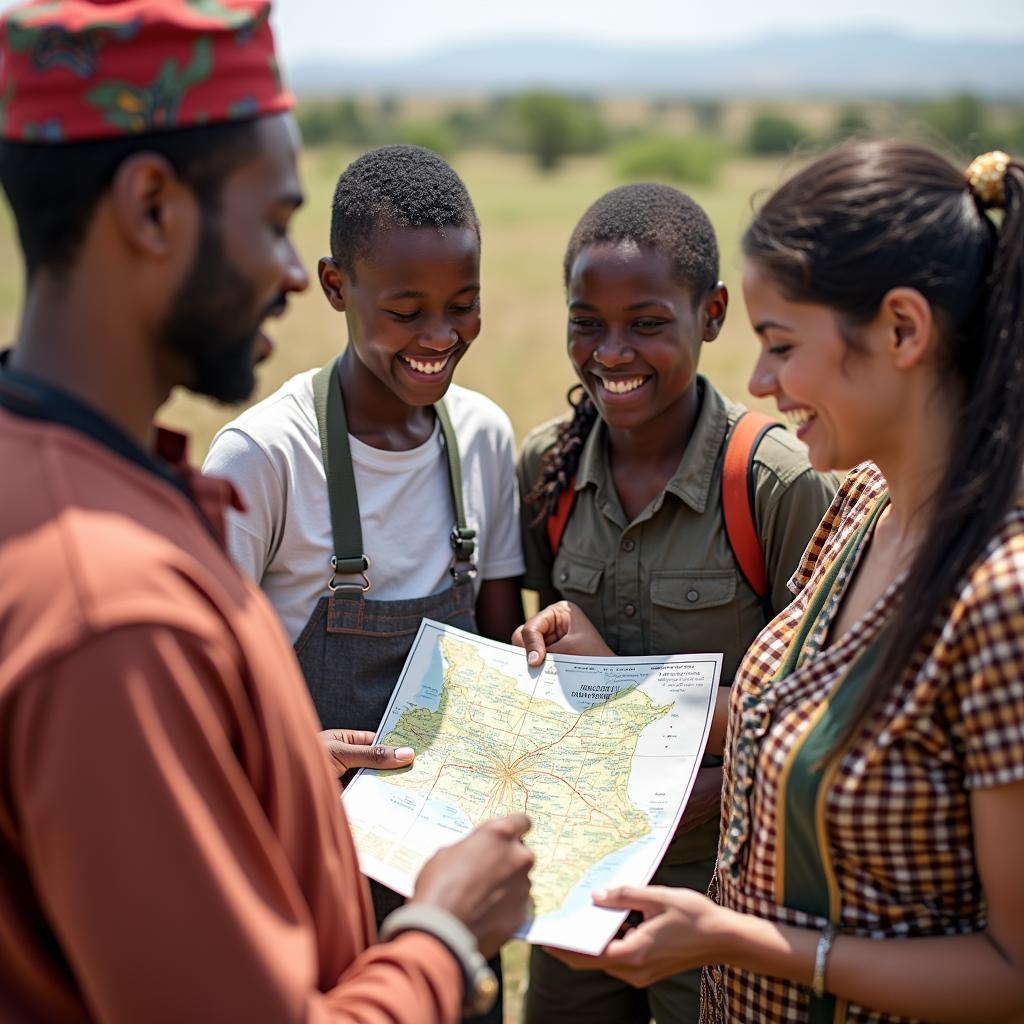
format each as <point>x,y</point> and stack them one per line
<point>601,753</point>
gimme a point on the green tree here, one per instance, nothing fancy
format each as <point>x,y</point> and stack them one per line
<point>960,121</point>
<point>851,121</point>
<point>693,160</point>
<point>771,134</point>
<point>1015,137</point>
<point>433,135</point>
<point>464,126</point>
<point>333,121</point>
<point>554,126</point>
<point>709,115</point>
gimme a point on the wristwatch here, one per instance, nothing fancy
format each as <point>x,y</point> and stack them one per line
<point>481,984</point>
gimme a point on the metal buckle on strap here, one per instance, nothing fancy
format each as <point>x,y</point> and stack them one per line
<point>463,542</point>
<point>463,575</point>
<point>335,584</point>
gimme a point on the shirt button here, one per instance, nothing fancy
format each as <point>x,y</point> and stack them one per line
<point>630,610</point>
<point>692,595</point>
<point>628,544</point>
<point>563,576</point>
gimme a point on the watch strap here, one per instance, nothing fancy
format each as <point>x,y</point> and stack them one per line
<point>481,984</point>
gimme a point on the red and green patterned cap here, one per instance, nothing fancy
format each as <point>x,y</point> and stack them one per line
<point>95,69</point>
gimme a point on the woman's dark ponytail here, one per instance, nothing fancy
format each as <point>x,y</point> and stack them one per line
<point>983,476</point>
<point>870,217</point>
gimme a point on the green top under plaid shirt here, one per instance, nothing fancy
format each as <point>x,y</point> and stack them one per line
<point>878,839</point>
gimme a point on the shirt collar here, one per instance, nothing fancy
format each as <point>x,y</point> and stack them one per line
<point>28,396</point>
<point>691,481</point>
<point>593,465</point>
<point>212,495</point>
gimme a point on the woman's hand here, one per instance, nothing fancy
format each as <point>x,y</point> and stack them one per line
<point>354,748</point>
<point>681,930</point>
<point>561,628</point>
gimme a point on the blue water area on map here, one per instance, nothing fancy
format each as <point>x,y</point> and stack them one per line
<point>429,696</point>
<point>659,817</point>
<point>428,821</point>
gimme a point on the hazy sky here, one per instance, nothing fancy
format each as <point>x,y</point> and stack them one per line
<point>379,27</point>
<point>376,28</point>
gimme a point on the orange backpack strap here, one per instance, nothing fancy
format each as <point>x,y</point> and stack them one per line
<point>738,497</point>
<point>558,519</point>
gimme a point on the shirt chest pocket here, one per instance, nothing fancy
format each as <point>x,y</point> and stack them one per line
<point>694,610</point>
<point>578,579</point>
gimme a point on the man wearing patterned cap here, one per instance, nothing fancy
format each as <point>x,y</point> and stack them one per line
<point>171,843</point>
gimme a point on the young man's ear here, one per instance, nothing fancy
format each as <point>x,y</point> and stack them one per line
<point>908,324</point>
<point>332,280</point>
<point>715,306</point>
<point>154,211</point>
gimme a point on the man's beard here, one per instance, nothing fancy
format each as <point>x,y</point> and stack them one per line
<point>203,323</point>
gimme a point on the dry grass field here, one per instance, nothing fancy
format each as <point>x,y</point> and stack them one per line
<point>519,359</point>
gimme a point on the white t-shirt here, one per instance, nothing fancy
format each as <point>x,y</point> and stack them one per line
<point>271,453</point>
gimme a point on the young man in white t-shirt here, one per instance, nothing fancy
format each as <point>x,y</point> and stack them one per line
<point>353,558</point>
<point>404,269</point>
<point>271,453</point>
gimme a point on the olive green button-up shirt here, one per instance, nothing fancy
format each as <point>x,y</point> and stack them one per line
<point>668,582</point>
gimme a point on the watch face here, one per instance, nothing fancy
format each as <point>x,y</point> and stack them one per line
<point>485,991</point>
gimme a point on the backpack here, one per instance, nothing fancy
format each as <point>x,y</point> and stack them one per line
<point>737,502</point>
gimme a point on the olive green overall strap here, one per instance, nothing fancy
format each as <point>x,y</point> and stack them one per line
<point>805,875</point>
<point>346,531</point>
<point>463,538</point>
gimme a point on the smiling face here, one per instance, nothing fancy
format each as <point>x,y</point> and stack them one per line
<point>412,306</point>
<point>635,331</point>
<point>842,400</point>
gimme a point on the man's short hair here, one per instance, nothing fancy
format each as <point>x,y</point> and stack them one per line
<point>395,186</point>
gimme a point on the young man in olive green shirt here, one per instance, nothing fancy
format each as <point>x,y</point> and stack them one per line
<point>664,583</point>
<point>635,474</point>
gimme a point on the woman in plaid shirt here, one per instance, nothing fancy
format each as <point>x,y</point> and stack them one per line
<point>873,815</point>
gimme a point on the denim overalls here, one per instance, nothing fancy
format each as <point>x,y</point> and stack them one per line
<point>352,649</point>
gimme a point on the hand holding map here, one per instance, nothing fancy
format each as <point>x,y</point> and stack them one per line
<point>490,905</point>
<point>601,753</point>
<point>561,628</point>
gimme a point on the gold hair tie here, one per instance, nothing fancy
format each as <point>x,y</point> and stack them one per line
<point>985,177</point>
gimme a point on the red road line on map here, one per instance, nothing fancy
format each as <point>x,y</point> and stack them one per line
<point>529,753</point>
<point>558,778</point>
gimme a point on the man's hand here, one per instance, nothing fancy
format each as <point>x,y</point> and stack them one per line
<point>681,930</point>
<point>354,748</point>
<point>483,880</point>
<point>561,628</point>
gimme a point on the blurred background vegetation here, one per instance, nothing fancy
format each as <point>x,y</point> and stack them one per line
<point>681,140</point>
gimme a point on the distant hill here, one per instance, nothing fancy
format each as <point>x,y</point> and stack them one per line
<point>853,64</point>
